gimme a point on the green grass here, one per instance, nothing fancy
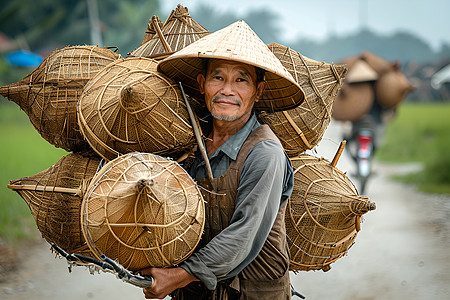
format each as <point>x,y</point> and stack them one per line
<point>23,153</point>
<point>421,133</point>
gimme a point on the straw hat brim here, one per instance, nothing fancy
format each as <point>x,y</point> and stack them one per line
<point>236,42</point>
<point>361,72</point>
<point>279,93</point>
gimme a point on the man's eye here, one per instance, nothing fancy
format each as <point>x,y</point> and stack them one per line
<point>241,79</point>
<point>218,77</point>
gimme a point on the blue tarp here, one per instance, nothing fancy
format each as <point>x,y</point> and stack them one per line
<point>23,58</point>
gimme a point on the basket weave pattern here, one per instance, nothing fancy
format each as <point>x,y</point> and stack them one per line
<point>303,127</point>
<point>54,197</point>
<point>130,107</point>
<point>179,30</point>
<point>50,93</point>
<point>143,210</point>
<point>323,214</point>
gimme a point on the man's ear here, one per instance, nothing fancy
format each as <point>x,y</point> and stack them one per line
<point>260,90</point>
<point>201,82</point>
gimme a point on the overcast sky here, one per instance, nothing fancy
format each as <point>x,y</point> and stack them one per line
<point>428,19</point>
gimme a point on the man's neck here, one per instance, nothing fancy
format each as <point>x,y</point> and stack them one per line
<point>222,131</point>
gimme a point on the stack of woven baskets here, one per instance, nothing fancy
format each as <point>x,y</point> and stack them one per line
<point>120,192</point>
<point>370,78</point>
<point>140,208</point>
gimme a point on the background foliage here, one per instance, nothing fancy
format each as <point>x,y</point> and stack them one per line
<point>419,133</point>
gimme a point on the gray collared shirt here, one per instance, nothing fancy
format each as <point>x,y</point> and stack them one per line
<point>266,181</point>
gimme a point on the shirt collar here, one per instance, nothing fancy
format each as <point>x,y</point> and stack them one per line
<point>232,146</point>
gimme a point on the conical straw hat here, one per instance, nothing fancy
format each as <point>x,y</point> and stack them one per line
<point>361,71</point>
<point>236,42</point>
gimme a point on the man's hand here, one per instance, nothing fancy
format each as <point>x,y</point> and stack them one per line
<point>166,281</point>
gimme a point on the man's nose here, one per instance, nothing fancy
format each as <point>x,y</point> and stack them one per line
<point>227,88</point>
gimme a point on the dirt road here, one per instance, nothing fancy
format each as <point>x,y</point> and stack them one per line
<point>401,252</point>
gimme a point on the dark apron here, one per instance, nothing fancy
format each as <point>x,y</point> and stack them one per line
<point>267,276</point>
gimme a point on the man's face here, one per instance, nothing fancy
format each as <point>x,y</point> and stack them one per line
<point>230,89</point>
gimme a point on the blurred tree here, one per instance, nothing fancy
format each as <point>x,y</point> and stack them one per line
<point>400,46</point>
<point>211,18</point>
<point>262,21</point>
<point>47,24</point>
<point>444,52</point>
<point>265,23</point>
<point>126,22</point>
<point>50,24</point>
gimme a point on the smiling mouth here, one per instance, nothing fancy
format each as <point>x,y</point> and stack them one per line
<point>224,101</point>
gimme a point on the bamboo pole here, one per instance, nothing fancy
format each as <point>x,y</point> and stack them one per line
<point>298,130</point>
<point>160,34</point>
<point>197,135</point>
<point>41,188</point>
<point>338,153</point>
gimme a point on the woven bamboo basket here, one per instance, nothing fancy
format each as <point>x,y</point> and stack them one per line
<point>154,25</point>
<point>144,211</point>
<point>178,31</point>
<point>303,127</point>
<point>353,101</point>
<point>130,107</point>
<point>54,197</point>
<point>391,88</point>
<point>323,214</point>
<point>50,93</point>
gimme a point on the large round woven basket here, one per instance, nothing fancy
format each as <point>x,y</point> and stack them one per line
<point>323,214</point>
<point>130,107</point>
<point>303,127</point>
<point>391,88</point>
<point>54,197</point>
<point>178,31</point>
<point>144,211</point>
<point>50,93</point>
<point>353,101</point>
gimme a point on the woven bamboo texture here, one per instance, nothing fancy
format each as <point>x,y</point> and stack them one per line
<point>303,127</point>
<point>152,26</point>
<point>143,211</point>
<point>178,31</point>
<point>50,93</point>
<point>323,214</point>
<point>130,107</point>
<point>54,197</point>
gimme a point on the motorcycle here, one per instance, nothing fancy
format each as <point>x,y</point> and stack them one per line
<point>361,145</point>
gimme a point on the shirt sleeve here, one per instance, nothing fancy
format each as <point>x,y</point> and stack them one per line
<point>265,181</point>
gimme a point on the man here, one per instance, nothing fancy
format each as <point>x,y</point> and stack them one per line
<point>243,253</point>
